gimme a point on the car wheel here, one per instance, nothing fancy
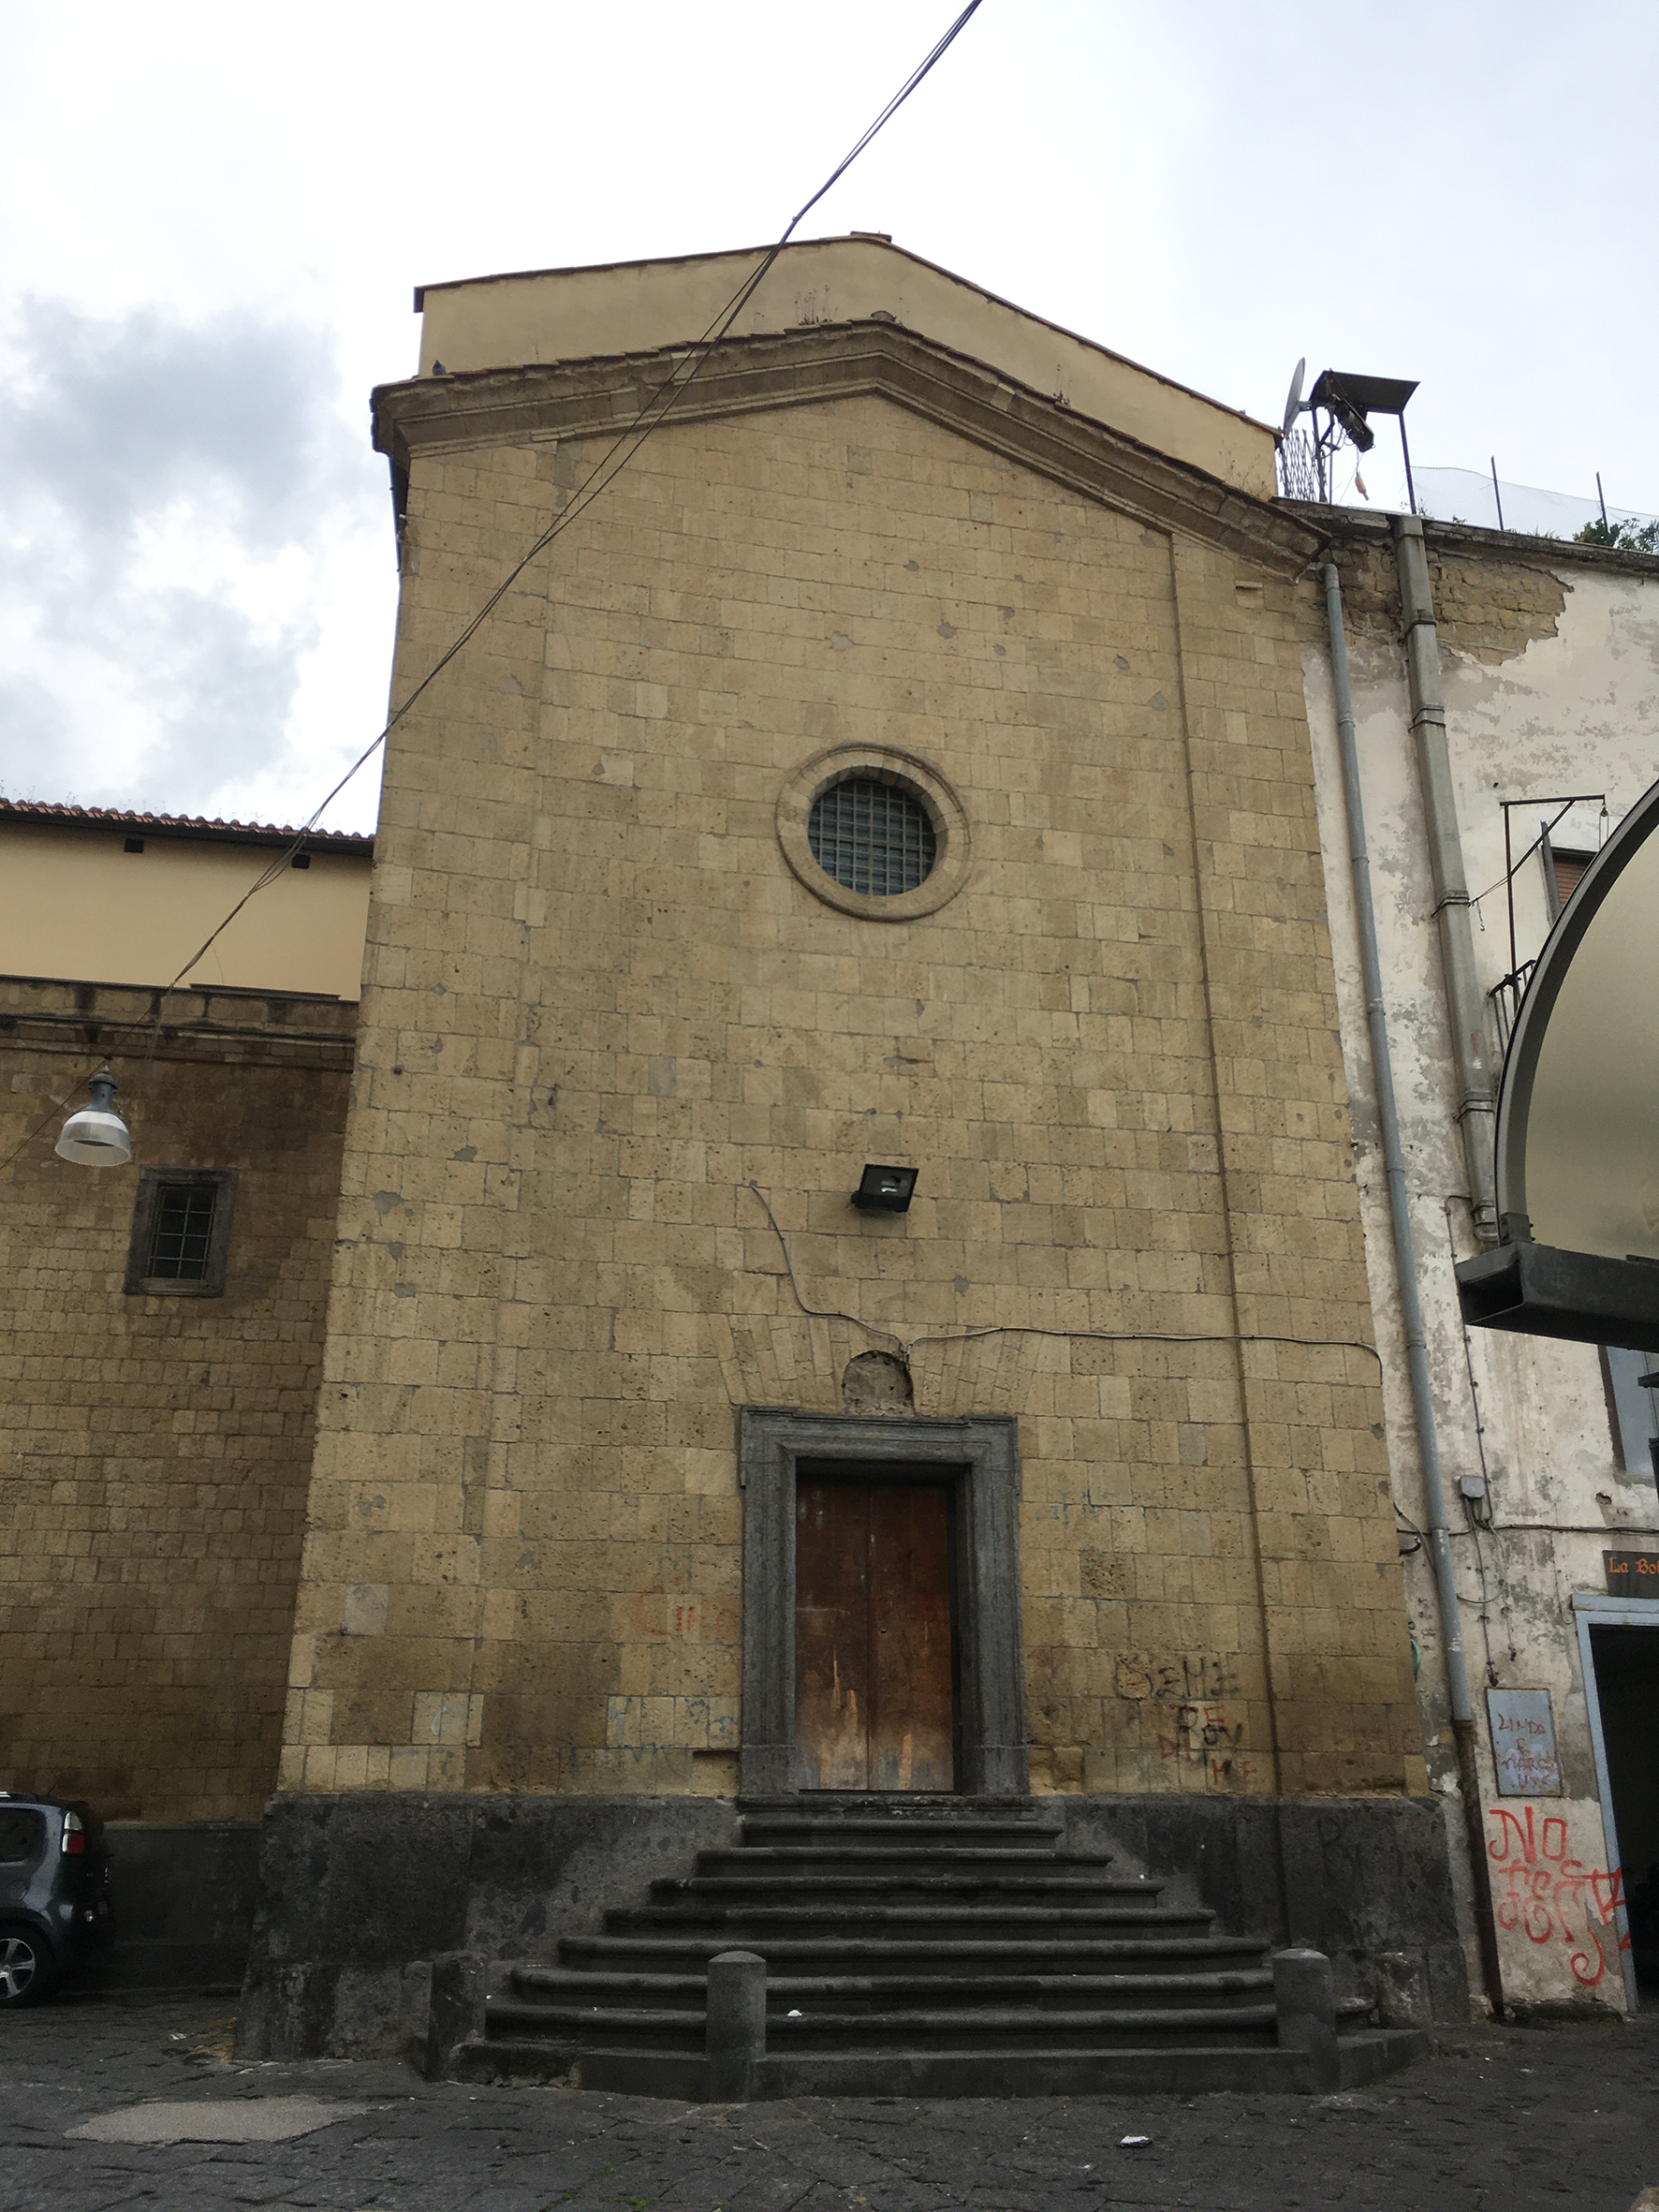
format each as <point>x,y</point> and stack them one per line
<point>28,1971</point>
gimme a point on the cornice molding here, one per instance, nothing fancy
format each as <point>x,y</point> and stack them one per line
<point>1473,540</point>
<point>261,1028</point>
<point>845,361</point>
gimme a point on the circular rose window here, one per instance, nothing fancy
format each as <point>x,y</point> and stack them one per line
<point>871,836</point>
<point>875,830</point>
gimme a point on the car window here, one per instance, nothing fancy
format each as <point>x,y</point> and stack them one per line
<point>22,1835</point>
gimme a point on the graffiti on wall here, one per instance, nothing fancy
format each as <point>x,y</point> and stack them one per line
<point>1176,1677</point>
<point>1543,1894</point>
<point>1206,1736</point>
<point>1189,1691</point>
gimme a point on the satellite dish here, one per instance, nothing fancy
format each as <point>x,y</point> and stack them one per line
<point>1293,403</point>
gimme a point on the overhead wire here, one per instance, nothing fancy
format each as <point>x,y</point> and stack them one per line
<point>616,457</point>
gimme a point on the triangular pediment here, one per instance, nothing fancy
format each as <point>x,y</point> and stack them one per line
<point>803,368</point>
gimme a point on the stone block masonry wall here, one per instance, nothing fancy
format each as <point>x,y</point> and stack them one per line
<point>1487,608</point>
<point>154,1451</point>
<point>599,1007</point>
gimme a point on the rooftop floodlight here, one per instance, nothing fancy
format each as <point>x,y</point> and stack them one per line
<point>886,1190</point>
<point>96,1136</point>
<point>1346,400</point>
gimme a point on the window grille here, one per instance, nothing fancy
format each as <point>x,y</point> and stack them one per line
<point>183,1231</point>
<point>180,1234</point>
<point>873,837</point>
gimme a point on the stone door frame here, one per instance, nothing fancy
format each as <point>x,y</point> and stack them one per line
<point>981,1458</point>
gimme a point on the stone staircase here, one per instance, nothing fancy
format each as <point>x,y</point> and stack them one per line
<point>929,1953</point>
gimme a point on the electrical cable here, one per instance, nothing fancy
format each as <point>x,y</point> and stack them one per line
<point>611,463</point>
<point>1477,1526</point>
<point>816,1313</point>
<point>1486,1632</point>
<point>908,1344</point>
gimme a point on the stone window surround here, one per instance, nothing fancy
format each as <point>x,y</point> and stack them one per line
<point>890,764</point>
<point>152,1182</point>
<point>980,1457</point>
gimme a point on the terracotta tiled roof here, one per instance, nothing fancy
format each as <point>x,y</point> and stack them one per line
<point>180,825</point>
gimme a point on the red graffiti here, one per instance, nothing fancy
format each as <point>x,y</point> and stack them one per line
<point>1205,1737</point>
<point>1545,1887</point>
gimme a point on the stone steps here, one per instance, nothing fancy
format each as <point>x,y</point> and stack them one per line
<point>854,1995</point>
<point>1032,1954</point>
<point>899,1831</point>
<point>877,1859</point>
<point>630,2027</point>
<point>920,1951</point>
<point>755,1925</point>
<point>1187,2070</point>
<point>900,1888</point>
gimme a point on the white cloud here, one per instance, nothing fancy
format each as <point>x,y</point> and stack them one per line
<point>181,497</point>
<point>202,579</point>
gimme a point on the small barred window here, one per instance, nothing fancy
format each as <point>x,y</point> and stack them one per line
<point>872,837</point>
<point>183,1232</point>
<point>180,1234</point>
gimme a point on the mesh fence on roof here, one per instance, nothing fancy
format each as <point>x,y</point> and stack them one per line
<point>872,837</point>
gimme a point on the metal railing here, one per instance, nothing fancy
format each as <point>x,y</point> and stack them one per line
<point>1505,998</point>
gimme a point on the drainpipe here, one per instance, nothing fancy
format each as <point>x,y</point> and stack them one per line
<point>1416,1356</point>
<point>1465,1008</point>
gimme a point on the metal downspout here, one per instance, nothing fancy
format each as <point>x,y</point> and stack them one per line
<point>1464,1006</point>
<point>1417,1357</point>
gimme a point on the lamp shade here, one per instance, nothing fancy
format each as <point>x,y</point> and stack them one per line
<point>95,1135</point>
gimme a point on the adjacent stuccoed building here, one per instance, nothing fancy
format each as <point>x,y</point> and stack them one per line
<point>901,762</point>
<point>163,1332</point>
<point>1543,657</point>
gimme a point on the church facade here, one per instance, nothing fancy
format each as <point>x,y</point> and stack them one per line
<point>849,1275</point>
<point>897,768</point>
<point>628,1044</point>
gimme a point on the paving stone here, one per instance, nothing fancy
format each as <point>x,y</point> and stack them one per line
<point>232,2119</point>
<point>1499,2120</point>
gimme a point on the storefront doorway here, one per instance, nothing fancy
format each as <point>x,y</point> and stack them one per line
<point>874,1632</point>
<point>1618,1652</point>
<point>1627,1692</point>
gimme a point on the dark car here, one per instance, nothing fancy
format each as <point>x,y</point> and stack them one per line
<point>54,1892</point>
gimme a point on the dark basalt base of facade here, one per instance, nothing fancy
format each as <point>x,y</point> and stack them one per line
<point>387,1920</point>
<point>182,1897</point>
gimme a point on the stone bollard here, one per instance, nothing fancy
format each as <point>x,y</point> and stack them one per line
<point>736,2025</point>
<point>1304,1997</point>
<point>1403,1998</point>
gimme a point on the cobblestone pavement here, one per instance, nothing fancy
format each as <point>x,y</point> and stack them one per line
<point>1505,2118</point>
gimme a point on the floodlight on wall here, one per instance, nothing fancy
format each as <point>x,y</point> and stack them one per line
<point>886,1190</point>
<point>95,1135</point>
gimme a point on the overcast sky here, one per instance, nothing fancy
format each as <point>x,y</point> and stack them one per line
<point>212,219</point>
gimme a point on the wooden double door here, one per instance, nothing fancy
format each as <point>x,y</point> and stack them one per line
<point>876,1663</point>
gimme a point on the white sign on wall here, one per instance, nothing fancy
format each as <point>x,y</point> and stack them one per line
<point>1523,1743</point>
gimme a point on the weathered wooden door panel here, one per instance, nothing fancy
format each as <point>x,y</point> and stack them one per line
<point>873,1691</point>
<point>832,1636</point>
<point>911,1717</point>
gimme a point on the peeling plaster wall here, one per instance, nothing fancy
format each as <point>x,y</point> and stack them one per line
<point>1550,672</point>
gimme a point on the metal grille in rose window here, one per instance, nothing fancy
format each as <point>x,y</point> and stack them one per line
<point>872,837</point>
